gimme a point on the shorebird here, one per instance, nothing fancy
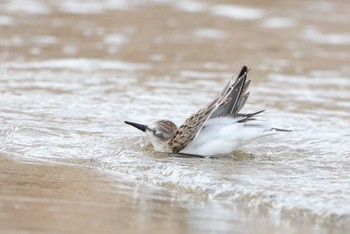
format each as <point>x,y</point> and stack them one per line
<point>218,129</point>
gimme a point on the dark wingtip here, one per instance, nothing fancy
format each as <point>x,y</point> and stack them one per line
<point>141,127</point>
<point>244,70</point>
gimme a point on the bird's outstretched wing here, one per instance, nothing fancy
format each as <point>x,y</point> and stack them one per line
<point>237,97</point>
<point>231,95</point>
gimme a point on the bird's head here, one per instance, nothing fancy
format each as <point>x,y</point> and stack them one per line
<point>158,132</point>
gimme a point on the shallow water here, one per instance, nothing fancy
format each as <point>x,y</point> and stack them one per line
<point>71,73</point>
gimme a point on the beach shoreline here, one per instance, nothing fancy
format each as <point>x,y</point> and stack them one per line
<point>59,198</point>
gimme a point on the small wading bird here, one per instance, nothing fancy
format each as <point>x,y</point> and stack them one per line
<point>218,129</point>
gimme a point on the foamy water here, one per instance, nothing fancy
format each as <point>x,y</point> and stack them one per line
<point>71,110</point>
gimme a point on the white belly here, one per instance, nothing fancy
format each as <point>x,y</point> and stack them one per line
<point>221,136</point>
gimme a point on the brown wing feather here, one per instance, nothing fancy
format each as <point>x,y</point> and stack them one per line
<point>189,130</point>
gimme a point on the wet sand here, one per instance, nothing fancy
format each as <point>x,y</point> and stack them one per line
<point>48,198</point>
<point>59,198</point>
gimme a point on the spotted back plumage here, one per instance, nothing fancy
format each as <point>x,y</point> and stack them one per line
<point>190,129</point>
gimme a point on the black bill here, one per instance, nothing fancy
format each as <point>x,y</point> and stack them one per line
<point>138,126</point>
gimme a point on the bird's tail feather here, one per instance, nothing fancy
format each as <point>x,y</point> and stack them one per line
<point>280,130</point>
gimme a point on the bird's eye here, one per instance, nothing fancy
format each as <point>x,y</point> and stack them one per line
<point>157,134</point>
